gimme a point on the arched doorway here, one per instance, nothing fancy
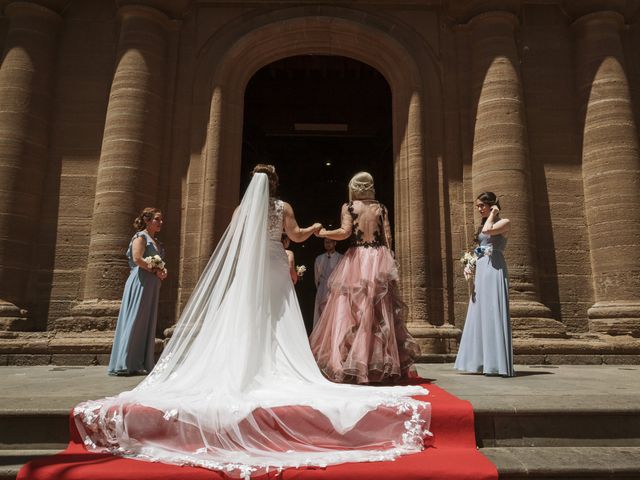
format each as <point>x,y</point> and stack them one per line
<point>319,119</point>
<point>227,63</point>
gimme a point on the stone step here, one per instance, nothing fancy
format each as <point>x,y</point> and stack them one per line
<point>12,460</point>
<point>497,427</point>
<point>549,422</point>
<point>565,463</point>
<point>58,348</point>
<point>34,429</point>
<point>570,425</point>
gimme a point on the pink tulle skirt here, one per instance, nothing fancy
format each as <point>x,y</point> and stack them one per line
<point>361,336</point>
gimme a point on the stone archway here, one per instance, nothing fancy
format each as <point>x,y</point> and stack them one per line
<point>220,85</point>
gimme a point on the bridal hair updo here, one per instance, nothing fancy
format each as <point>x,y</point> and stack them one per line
<point>270,172</point>
<point>140,223</point>
<point>361,187</point>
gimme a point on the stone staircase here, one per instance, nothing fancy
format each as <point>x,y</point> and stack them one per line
<point>551,427</point>
<point>560,443</point>
<point>30,433</point>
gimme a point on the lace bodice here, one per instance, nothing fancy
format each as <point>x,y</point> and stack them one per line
<point>368,223</point>
<point>276,207</point>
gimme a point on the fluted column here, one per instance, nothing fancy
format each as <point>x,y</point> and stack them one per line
<point>411,244</point>
<point>413,221</point>
<point>611,173</point>
<point>26,86</point>
<point>130,161</point>
<point>500,161</point>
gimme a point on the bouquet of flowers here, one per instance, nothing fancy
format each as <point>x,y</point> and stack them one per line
<point>154,262</point>
<point>469,259</point>
<point>300,269</point>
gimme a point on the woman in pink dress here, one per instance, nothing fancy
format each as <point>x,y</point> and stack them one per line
<point>361,336</point>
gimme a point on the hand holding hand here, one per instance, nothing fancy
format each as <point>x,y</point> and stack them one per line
<point>322,233</point>
<point>315,228</point>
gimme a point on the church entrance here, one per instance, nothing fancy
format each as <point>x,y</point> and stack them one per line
<point>319,119</point>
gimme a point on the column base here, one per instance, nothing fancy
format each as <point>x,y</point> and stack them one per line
<point>13,318</point>
<point>615,318</point>
<point>531,319</point>
<point>100,315</point>
<point>437,343</point>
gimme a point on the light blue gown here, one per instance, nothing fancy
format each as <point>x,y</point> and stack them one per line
<point>134,341</point>
<point>486,344</point>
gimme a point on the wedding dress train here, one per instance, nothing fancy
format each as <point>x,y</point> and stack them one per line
<point>237,388</point>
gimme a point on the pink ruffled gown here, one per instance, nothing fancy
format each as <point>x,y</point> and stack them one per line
<point>361,336</point>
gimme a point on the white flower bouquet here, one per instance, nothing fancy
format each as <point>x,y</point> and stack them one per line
<point>468,261</point>
<point>300,269</point>
<point>154,262</point>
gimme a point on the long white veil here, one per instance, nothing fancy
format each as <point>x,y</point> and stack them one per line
<point>237,388</point>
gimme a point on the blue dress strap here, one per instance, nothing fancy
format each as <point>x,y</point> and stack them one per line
<point>138,235</point>
<point>149,241</point>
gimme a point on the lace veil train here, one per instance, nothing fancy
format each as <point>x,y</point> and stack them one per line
<point>237,388</point>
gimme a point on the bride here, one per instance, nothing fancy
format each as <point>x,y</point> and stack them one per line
<point>237,388</point>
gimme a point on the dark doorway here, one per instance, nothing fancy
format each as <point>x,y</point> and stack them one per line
<point>319,120</point>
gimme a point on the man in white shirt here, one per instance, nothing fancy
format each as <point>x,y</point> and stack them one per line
<point>323,267</point>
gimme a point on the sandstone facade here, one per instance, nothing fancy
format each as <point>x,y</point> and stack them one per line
<point>108,106</point>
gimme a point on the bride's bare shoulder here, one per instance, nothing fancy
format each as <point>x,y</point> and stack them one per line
<point>287,208</point>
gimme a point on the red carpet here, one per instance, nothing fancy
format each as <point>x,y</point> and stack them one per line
<point>451,455</point>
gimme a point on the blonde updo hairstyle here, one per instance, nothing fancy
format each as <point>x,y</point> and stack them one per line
<point>140,223</point>
<point>361,187</point>
<point>270,172</point>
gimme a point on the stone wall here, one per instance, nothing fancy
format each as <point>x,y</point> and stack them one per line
<point>108,106</point>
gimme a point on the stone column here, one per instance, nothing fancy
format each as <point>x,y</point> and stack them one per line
<point>130,161</point>
<point>611,173</point>
<point>436,339</point>
<point>26,89</point>
<point>500,162</point>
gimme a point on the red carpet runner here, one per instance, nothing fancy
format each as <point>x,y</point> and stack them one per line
<point>452,455</point>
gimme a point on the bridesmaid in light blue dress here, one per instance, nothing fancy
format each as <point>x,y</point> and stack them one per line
<point>134,343</point>
<point>486,345</point>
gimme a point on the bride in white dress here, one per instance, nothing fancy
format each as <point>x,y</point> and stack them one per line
<point>237,388</point>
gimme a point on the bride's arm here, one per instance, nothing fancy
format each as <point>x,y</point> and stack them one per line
<point>294,232</point>
<point>344,231</point>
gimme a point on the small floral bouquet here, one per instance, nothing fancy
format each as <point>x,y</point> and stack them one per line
<point>154,262</point>
<point>469,259</point>
<point>300,269</point>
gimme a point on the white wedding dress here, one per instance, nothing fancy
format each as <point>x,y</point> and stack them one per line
<point>237,388</point>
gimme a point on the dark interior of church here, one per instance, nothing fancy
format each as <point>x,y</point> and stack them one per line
<point>319,120</point>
